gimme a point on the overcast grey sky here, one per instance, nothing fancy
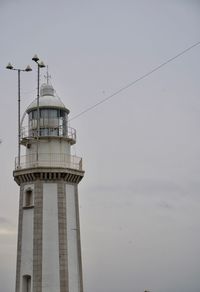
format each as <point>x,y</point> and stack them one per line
<point>140,198</point>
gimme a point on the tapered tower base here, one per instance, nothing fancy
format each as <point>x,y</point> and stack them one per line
<point>49,250</point>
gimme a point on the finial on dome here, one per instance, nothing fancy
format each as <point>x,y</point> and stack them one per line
<point>47,76</point>
<point>47,89</point>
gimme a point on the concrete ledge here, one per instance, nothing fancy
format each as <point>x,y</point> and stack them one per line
<point>48,174</point>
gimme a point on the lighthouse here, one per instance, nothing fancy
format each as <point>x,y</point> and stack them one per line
<point>48,249</point>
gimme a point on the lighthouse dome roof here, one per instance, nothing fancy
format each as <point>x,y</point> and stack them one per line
<point>47,99</point>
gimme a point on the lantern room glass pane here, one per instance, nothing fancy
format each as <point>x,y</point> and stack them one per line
<point>53,122</point>
<point>53,113</point>
<point>44,113</point>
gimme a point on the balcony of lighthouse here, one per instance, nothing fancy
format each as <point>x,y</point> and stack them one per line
<point>67,133</point>
<point>49,160</point>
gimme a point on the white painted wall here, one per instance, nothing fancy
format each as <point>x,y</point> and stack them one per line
<point>52,152</point>
<point>27,242</point>
<point>73,265</point>
<point>50,145</point>
<point>50,245</point>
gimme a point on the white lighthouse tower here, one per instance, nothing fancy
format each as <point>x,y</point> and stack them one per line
<point>49,251</point>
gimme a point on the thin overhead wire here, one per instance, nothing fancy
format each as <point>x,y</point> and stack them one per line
<point>136,81</point>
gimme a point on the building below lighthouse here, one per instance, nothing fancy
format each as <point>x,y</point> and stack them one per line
<point>49,248</point>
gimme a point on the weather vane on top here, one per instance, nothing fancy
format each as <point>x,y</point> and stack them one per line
<point>47,76</point>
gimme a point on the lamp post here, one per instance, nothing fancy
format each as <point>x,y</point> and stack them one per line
<point>27,69</point>
<point>40,64</point>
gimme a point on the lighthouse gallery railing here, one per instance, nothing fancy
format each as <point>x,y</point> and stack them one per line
<point>45,131</point>
<point>49,160</point>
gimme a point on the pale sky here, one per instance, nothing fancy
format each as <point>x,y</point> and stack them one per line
<point>140,198</point>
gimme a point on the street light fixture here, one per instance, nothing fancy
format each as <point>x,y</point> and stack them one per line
<point>40,64</point>
<point>27,69</point>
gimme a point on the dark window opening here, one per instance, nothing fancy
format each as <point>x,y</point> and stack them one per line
<point>26,283</point>
<point>28,198</point>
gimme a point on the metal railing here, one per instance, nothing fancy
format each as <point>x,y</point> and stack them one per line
<point>49,160</point>
<point>60,131</point>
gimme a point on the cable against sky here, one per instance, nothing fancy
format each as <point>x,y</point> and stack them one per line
<point>136,80</point>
